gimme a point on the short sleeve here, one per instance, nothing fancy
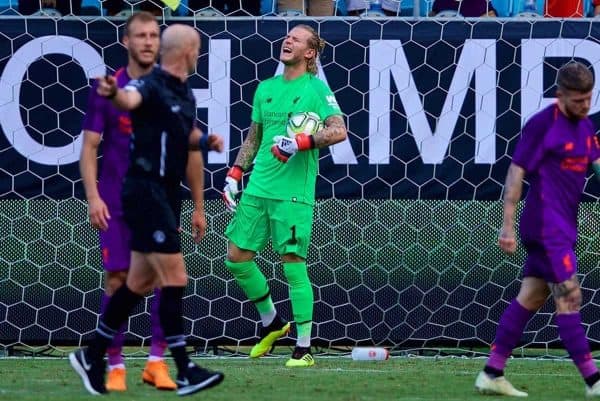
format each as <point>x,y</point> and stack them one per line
<point>531,147</point>
<point>256,106</point>
<point>594,149</point>
<point>95,111</point>
<point>328,105</point>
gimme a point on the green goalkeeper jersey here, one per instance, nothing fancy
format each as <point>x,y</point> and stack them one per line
<point>274,101</point>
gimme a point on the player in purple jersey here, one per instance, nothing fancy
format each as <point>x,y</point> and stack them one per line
<point>556,148</point>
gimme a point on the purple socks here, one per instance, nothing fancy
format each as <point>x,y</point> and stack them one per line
<point>509,332</point>
<point>511,326</point>
<point>158,342</point>
<point>115,356</point>
<point>573,337</point>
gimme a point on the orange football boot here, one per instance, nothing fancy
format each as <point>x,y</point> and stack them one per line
<point>156,373</point>
<point>116,380</point>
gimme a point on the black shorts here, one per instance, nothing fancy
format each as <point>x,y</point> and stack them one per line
<point>152,214</point>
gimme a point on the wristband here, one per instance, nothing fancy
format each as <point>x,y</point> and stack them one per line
<point>235,172</point>
<point>203,143</point>
<point>305,142</point>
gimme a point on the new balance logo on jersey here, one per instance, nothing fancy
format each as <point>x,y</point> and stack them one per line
<point>296,99</point>
<point>269,99</point>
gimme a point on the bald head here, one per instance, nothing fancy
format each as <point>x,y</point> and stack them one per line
<point>178,38</point>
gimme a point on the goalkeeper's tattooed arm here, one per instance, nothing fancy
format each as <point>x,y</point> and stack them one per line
<point>249,148</point>
<point>512,194</point>
<point>334,132</point>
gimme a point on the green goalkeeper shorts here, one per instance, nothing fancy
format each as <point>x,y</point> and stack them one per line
<point>288,224</point>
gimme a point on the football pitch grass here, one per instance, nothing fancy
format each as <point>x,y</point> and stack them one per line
<point>331,379</point>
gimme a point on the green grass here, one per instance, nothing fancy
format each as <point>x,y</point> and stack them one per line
<point>332,379</point>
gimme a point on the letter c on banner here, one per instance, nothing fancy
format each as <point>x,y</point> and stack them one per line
<point>10,88</point>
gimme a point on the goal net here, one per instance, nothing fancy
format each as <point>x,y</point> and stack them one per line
<point>404,241</point>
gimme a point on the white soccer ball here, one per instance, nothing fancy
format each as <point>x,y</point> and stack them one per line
<point>305,122</point>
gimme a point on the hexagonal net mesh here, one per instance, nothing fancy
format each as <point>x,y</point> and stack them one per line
<point>429,276</point>
<point>403,250</point>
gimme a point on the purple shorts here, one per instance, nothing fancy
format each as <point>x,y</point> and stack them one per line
<point>555,265</point>
<point>115,245</point>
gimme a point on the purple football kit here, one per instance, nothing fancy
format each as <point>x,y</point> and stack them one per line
<point>115,126</point>
<point>555,153</point>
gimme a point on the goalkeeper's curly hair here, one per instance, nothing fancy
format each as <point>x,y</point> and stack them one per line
<point>316,43</point>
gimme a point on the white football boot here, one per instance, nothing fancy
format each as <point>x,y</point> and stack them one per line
<point>593,391</point>
<point>498,386</point>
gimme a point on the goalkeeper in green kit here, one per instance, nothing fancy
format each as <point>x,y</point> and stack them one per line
<point>278,201</point>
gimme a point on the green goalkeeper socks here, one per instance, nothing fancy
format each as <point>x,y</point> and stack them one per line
<point>254,284</point>
<point>302,298</point>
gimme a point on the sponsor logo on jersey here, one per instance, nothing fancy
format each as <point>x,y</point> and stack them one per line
<point>576,164</point>
<point>331,101</point>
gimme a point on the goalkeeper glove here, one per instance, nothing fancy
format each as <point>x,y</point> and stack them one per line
<point>286,147</point>
<point>231,190</point>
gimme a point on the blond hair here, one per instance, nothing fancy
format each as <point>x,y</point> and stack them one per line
<point>141,16</point>
<point>317,44</point>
